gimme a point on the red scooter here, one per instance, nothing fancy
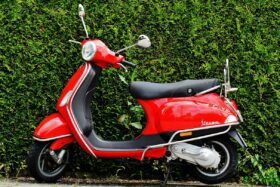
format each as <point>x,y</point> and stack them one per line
<point>187,121</point>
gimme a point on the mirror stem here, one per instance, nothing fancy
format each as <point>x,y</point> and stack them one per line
<point>84,26</point>
<point>228,74</point>
<point>123,49</point>
<point>82,15</point>
<point>74,41</point>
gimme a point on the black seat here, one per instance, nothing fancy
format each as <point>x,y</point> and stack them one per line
<point>149,90</point>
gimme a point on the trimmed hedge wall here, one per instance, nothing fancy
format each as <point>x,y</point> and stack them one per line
<point>190,40</point>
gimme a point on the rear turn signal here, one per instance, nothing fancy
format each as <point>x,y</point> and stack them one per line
<point>183,134</point>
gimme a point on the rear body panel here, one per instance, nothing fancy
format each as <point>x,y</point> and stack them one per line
<point>173,114</point>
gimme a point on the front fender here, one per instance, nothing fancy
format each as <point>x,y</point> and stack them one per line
<point>51,128</point>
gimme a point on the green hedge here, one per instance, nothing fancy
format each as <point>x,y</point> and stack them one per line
<point>190,40</point>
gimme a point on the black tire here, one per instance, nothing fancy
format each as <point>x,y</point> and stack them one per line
<point>42,166</point>
<point>227,166</point>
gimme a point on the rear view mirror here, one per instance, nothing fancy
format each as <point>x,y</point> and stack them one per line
<point>81,11</point>
<point>82,15</point>
<point>143,41</point>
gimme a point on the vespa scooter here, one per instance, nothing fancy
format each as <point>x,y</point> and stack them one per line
<point>186,121</point>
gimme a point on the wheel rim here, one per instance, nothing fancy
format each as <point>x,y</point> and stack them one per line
<point>223,165</point>
<point>47,166</point>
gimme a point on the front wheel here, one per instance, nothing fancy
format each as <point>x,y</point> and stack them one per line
<point>226,167</point>
<point>41,164</point>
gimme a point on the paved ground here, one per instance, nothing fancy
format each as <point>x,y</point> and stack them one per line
<point>27,182</point>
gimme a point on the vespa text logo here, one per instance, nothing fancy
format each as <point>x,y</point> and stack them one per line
<point>209,123</point>
<point>222,109</point>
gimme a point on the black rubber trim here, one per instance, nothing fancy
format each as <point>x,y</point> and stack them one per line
<point>81,102</point>
<point>140,143</point>
<point>202,132</point>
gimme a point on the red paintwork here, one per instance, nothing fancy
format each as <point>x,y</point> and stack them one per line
<point>153,153</point>
<point>104,56</point>
<point>163,115</point>
<point>61,142</point>
<point>69,86</point>
<point>66,110</point>
<point>234,104</point>
<point>52,126</point>
<point>172,114</point>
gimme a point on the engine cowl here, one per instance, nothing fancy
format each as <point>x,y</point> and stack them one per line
<point>203,156</point>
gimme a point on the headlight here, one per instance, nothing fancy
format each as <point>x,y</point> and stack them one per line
<point>88,51</point>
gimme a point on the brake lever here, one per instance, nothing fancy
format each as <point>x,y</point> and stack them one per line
<point>74,41</point>
<point>125,69</point>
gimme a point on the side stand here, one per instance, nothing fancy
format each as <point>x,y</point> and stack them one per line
<point>164,182</point>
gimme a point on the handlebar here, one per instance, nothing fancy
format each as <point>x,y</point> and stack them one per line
<point>125,62</point>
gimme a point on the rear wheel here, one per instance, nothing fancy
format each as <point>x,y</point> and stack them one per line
<point>42,166</point>
<point>226,167</point>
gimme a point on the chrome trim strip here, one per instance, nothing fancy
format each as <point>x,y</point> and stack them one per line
<point>194,129</point>
<point>208,90</point>
<point>66,99</point>
<point>239,115</point>
<point>234,109</point>
<point>72,118</point>
<point>237,136</point>
<point>77,128</point>
<point>201,128</point>
<point>49,139</point>
<point>116,150</point>
<point>170,143</point>
<point>191,139</point>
